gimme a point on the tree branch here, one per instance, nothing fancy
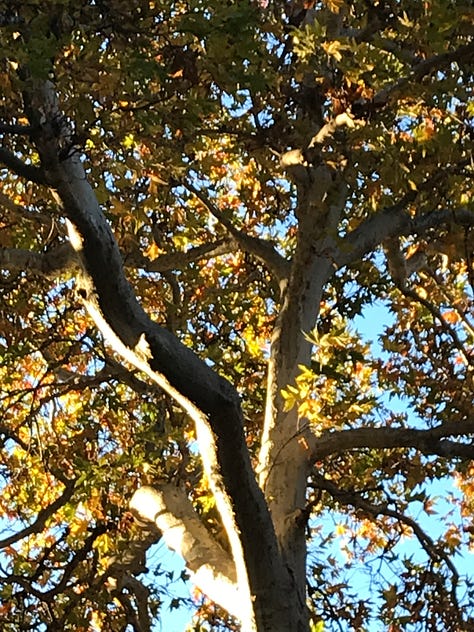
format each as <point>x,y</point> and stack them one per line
<point>260,248</point>
<point>29,172</point>
<point>355,499</point>
<point>179,260</point>
<point>430,441</point>
<point>50,595</point>
<point>394,221</point>
<point>47,264</point>
<point>21,212</point>
<point>328,130</point>
<point>157,349</point>
<point>132,561</point>
<point>437,314</point>
<point>18,130</point>
<point>210,400</point>
<point>424,68</point>
<point>212,569</point>
<point>42,517</point>
<point>8,434</point>
<point>139,617</point>
<point>418,72</point>
<point>63,258</point>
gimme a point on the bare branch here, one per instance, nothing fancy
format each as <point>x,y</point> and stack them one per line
<point>46,264</point>
<point>395,221</point>
<point>132,560</point>
<point>212,569</point>
<point>430,441</point>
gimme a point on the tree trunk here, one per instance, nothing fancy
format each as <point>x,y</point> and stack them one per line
<point>270,601</point>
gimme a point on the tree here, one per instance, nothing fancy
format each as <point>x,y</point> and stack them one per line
<point>197,199</point>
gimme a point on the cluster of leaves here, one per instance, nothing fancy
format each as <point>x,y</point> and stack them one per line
<point>337,388</point>
<point>76,437</point>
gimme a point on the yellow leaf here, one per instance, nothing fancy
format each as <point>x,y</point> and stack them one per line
<point>103,543</point>
<point>340,529</point>
<point>405,20</point>
<point>78,527</point>
<point>333,49</point>
<point>334,5</point>
<point>128,141</point>
<point>153,251</point>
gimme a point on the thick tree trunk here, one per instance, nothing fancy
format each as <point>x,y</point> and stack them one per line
<point>270,605</point>
<point>285,454</point>
<point>284,458</point>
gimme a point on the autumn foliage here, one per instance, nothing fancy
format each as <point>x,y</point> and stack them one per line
<point>280,179</point>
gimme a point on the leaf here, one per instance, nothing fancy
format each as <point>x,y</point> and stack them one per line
<point>334,48</point>
<point>391,596</point>
<point>334,5</point>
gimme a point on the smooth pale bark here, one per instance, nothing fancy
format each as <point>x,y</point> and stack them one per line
<point>284,456</point>
<point>212,569</point>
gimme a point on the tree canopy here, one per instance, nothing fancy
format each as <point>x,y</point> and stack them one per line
<point>197,203</point>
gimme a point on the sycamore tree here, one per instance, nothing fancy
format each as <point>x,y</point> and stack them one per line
<point>196,201</point>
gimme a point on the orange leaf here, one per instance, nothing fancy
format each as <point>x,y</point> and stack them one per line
<point>451,316</point>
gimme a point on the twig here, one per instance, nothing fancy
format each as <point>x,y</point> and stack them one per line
<point>7,128</point>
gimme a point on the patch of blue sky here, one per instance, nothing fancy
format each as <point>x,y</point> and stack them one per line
<point>176,604</point>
